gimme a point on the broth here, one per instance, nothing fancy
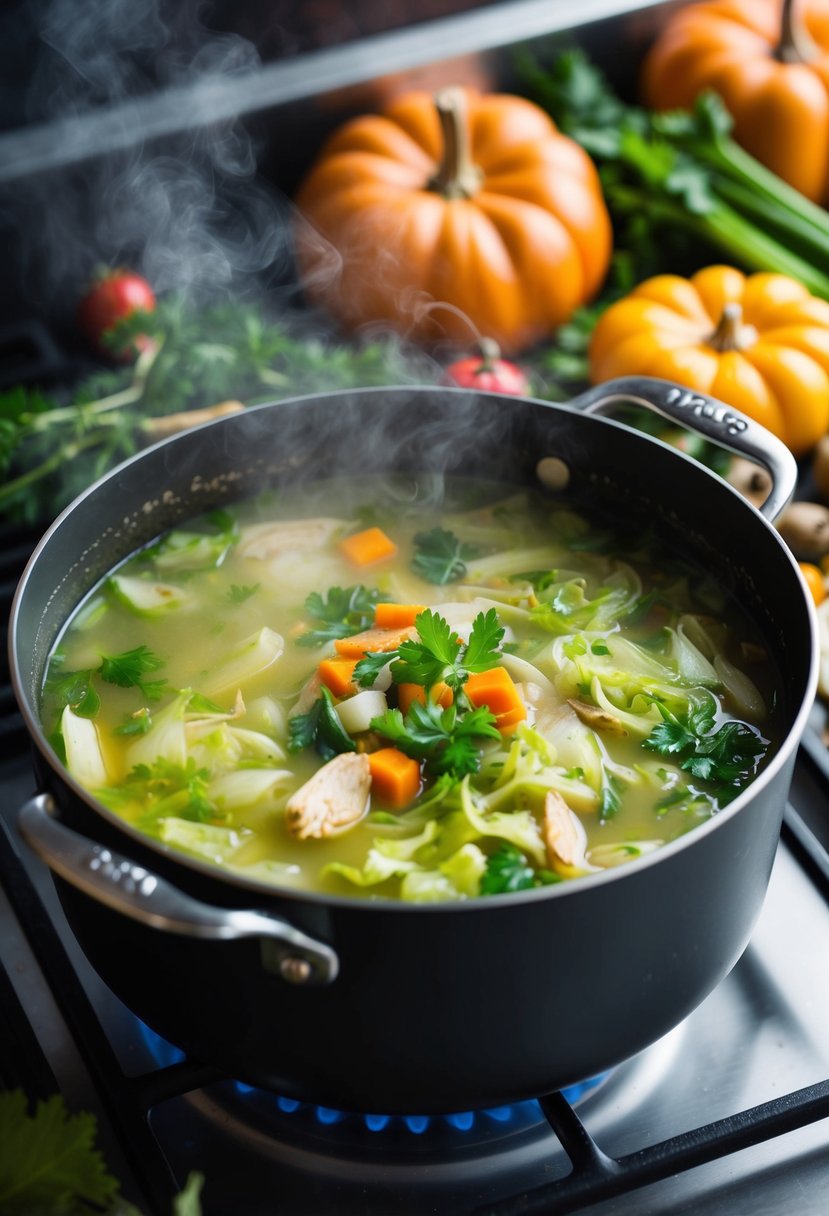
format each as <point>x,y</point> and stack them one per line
<point>544,698</point>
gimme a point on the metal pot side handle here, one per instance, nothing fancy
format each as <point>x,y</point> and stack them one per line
<point>114,880</point>
<point>708,417</point>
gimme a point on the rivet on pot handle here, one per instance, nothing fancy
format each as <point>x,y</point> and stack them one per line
<point>114,880</point>
<point>708,417</point>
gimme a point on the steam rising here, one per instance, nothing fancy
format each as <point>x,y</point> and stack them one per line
<point>190,214</point>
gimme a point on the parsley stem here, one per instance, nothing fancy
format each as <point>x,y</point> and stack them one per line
<point>59,457</point>
<point>127,396</point>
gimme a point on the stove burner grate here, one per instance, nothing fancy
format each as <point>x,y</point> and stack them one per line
<point>514,1116</point>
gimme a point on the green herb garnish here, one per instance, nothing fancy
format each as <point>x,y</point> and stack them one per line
<point>728,755</point>
<point>448,741</point>
<point>440,556</point>
<point>343,612</point>
<point>164,788</point>
<point>127,669</point>
<point>238,594</point>
<point>440,657</point>
<point>321,728</point>
<point>507,870</point>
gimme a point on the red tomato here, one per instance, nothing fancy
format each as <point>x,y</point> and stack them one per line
<point>488,372</point>
<point>113,295</point>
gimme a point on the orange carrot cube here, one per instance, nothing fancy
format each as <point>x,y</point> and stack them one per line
<point>338,676</point>
<point>368,547</point>
<point>395,777</point>
<point>495,689</point>
<point>441,694</point>
<point>396,616</point>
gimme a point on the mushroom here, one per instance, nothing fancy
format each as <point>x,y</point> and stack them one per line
<point>804,526</point>
<point>820,468</point>
<point>752,480</point>
<point>596,718</point>
<point>564,836</point>
<point>334,798</point>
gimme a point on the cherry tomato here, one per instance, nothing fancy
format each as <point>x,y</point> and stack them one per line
<point>488,372</point>
<point>815,581</point>
<point>113,295</point>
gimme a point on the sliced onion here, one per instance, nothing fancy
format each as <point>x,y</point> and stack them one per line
<point>356,712</point>
<point>743,692</point>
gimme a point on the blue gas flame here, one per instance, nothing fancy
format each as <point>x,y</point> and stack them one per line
<point>515,1114</point>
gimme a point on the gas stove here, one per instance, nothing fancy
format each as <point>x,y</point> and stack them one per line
<point>725,1114</point>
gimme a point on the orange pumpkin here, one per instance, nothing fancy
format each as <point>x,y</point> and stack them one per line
<point>758,342</point>
<point>769,63</point>
<point>450,214</point>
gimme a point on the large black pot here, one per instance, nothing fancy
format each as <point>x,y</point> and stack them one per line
<point>371,1005</point>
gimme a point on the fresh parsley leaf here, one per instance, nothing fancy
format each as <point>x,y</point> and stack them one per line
<point>370,665</point>
<point>127,669</point>
<point>482,651</point>
<point>726,756</point>
<point>238,594</point>
<point>48,1160</point>
<point>440,556</point>
<point>165,788</point>
<point>75,689</point>
<point>448,741</point>
<point>440,655</point>
<point>320,727</point>
<point>428,661</point>
<point>342,612</point>
<point>507,870</point>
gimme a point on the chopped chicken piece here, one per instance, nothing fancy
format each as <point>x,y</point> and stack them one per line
<point>335,797</point>
<point>563,832</point>
<point>270,540</point>
<point>598,719</point>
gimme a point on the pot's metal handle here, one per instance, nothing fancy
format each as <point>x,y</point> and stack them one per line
<point>708,417</point>
<point>114,880</point>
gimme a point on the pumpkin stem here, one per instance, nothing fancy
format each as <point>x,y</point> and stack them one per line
<point>457,176</point>
<point>490,354</point>
<point>730,333</point>
<point>796,44</point>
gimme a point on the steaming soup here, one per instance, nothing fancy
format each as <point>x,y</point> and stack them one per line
<point>361,689</point>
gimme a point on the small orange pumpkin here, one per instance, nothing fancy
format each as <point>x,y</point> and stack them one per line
<point>770,65</point>
<point>758,342</point>
<point>450,210</point>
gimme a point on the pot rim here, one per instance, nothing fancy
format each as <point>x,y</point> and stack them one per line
<point>271,891</point>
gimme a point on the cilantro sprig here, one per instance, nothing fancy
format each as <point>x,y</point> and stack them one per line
<point>343,611</point>
<point>446,739</point>
<point>440,557</point>
<point>727,756</point>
